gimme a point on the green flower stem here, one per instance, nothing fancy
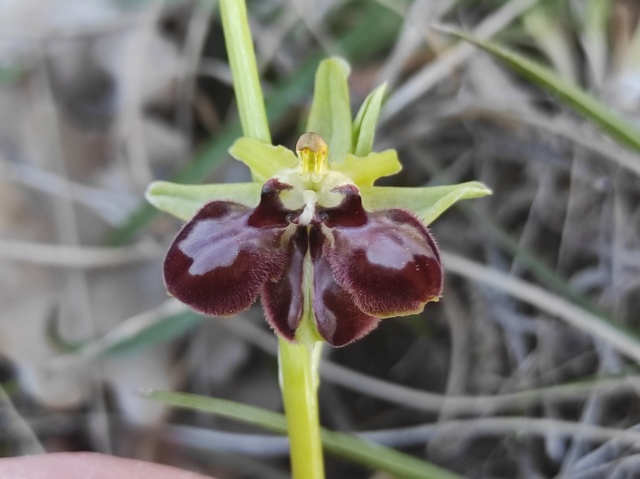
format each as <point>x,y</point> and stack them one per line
<point>299,384</point>
<point>298,368</point>
<point>244,70</point>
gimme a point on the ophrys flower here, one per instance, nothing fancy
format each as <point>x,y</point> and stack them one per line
<point>308,246</point>
<point>329,253</point>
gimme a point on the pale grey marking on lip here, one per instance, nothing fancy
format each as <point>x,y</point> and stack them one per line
<point>384,246</point>
<point>212,244</point>
<point>384,251</point>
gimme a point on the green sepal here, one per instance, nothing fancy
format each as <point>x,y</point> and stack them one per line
<point>427,202</point>
<point>184,201</point>
<point>263,160</point>
<point>330,115</point>
<point>364,126</point>
<point>363,171</point>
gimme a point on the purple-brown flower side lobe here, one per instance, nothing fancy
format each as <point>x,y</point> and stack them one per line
<point>218,262</point>
<point>391,265</point>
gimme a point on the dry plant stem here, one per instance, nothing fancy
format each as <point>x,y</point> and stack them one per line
<point>77,257</point>
<point>299,384</point>
<point>191,53</point>
<point>465,429</point>
<point>432,402</point>
<point>66,223</point>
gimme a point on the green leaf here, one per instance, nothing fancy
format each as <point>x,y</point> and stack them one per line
<point>330,115</point>
<point>184,201</point>
<point>365,170</point>
<point>364,452</point>
<point>364,126</point>
<point>585,104</point>
<point>427,203</point>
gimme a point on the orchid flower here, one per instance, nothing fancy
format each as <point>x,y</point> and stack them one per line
<point>329,253</point>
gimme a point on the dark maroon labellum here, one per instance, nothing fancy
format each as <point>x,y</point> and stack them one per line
<point>365,265</point>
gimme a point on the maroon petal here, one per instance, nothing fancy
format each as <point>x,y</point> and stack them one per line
<point>387,260</point>
<point>338,320</point>
<point>218,262</point>
<point>283,298</point>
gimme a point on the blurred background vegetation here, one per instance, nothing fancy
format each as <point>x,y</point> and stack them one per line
<point>526,367</point>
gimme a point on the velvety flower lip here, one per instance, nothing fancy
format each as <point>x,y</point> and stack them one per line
<point>338,320</point>
<point>387,259</point>
<point>347,266</point>
<point>222,257</point>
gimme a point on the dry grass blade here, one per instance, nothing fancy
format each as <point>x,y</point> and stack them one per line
<point>123,332</point>
<point>545,301</point>
<point>581,134</point>
<point>500,426</point>
<point>431,74</point>
<point>433,402</point>
<point>76,257</point>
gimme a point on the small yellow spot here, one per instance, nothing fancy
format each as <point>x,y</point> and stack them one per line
<point>312,151</point>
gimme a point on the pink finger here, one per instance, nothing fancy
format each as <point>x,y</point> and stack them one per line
<point>86,465</point>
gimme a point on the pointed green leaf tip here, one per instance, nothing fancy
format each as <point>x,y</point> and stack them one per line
<point>364,126</point>
<point>330,115</point>
<point>427,202</point>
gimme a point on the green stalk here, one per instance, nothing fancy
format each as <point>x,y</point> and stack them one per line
<point>299,385</point>
<point>298,363</point>
<point>244,70</point>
